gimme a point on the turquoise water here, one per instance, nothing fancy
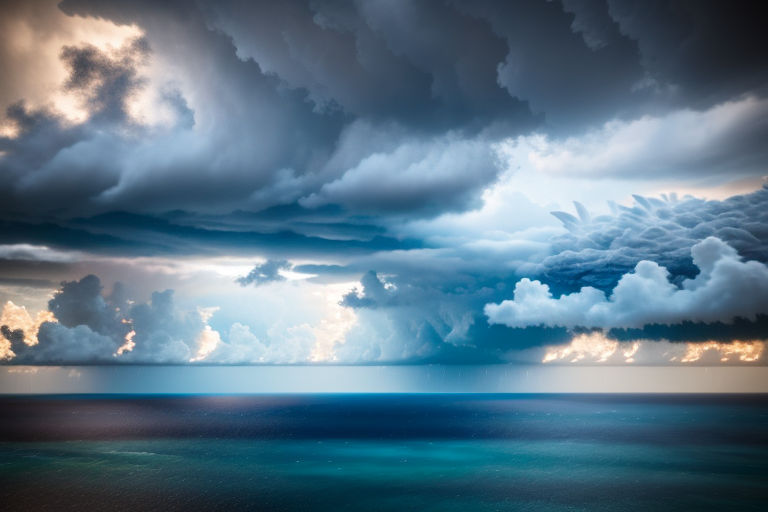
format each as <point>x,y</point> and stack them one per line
<point>377,453</point>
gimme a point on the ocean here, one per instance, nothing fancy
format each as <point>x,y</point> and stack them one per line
<point>421,452</point>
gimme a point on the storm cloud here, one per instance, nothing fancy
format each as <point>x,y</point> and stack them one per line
<point>322,103</point>
<point>372,182</point>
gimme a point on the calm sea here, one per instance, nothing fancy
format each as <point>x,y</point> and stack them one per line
<point>384,452</point>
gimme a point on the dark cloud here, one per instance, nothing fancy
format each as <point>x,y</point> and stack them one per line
<point>311,125</point>
<point>386,109</point>
<point>58,344</point>
<point>266,272</point>
<point>598,250</point>
<point>420,65</point>
<point>181,233</point>
<point>407,318</point>
<point>707,50</point>
<point>105,81</point>
<point>687,331</point>
<point>81,303</point>
<point>561,73</point>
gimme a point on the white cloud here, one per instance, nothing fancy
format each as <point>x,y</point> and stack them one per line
<point>686,142</point>
<point>30,252</point>
<point>726,287</point>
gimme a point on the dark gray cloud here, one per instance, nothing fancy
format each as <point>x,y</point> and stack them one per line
<point>382,108</point>
<point>433,316</point>
<point>301,143</point>
<point>105,81</point>
<point>286,235</point>
<point>706,51</point>
<point>266,272</point>
<point>598,250</point>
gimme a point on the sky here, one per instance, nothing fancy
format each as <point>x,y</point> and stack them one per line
<point>384,183</point>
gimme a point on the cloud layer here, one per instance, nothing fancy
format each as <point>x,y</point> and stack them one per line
<point>370,182</point>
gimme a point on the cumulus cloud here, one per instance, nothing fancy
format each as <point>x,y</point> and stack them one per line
<point>725,288</point>
<point>85,326</point>
<point>95,327</point>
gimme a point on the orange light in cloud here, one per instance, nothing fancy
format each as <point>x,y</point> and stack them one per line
<point>595,347</point>
<point>592,347</point>
<point>33,36</point>
<point>745,351</point>
<point>128,343</point>
<point>17,317</point>
<point>208,339</point>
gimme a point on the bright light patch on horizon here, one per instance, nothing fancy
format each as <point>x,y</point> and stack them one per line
<point>595,347</point>
<point>591,347</point>
<point>745,351</point>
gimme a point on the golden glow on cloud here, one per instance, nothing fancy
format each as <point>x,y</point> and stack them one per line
<point>629,352</point>
<point>595,347</point>
<point>8,129</point>
<point>128,343</point>
<point>33,35</point>
<point>745,351</point>
<point>208,339</point>
<point>17,317</point>
<point>588,347</point>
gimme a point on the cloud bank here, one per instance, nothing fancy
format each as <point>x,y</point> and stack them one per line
<point>725,288</point>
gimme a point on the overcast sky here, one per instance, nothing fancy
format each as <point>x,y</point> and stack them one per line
<point>384,182</point>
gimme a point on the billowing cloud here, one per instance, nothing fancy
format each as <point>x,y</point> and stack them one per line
<point>84,326</point>
<point>725,288</point>
<point>414,118</point>
<point>598,249</point>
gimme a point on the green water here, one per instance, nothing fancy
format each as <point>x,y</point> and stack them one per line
<point>383,475</point>
<point>515,454</point>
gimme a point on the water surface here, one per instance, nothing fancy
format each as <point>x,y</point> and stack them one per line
<point>385,452</point>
